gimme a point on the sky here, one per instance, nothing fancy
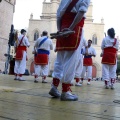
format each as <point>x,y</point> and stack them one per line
<point>106,9</point>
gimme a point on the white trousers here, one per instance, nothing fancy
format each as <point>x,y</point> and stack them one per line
<point>41,70</point>
<point>20,65</point>
<point>108,72</point>
<point>65,65</point>
<point>79,67</point>
<point>89,72</point>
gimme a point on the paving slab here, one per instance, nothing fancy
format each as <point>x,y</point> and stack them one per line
<point>26,100</point>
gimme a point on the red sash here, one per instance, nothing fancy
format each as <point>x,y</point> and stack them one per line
<point>20,50</point>
<point>19,55</point>
<point>72,41</point>
<point>109,56</point>
<point>41,59</point>
<point>87,62</point>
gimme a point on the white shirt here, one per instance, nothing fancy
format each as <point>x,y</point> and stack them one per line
<point>91,50</point>
<point>81,5</point>
<point>83,42</point>
<point>25,41</point>
<point>108,42</point>
<point>47,45</point>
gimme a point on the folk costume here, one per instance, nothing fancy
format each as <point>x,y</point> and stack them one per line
<point>21,56</point>
<point>43,46</point>
<point>109,60</point>
<point>80,63</point>
<point>68,48</point>
<point>87,63</point>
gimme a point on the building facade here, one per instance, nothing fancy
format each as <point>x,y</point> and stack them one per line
<point>93,31</point>
<point>7,8</point>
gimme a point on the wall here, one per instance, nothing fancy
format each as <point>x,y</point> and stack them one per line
<point>6,19</point>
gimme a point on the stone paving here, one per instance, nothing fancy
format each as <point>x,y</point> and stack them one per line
<point>26,100</point>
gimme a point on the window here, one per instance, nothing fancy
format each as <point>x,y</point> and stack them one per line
<point>94,39</point>
<point>36,35</point>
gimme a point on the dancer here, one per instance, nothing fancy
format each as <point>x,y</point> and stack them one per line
<point>79,68</point>
<point>109,47</point>
<point>87,62</point>
<point>70,17</point>
<point>42,49</point>
<point>21,55</point>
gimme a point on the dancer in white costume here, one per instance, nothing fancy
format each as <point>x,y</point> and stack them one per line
<point>42,49</point>
<point>87,62</point>
<point>70,16</point>
<point>109,47</point>
<point>21,55</point>
<point>79,68</point>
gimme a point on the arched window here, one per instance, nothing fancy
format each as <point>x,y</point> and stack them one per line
<point>94,39</point>
<point>36,35</point>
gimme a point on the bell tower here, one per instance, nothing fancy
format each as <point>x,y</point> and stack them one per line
<point>89,13</point>
<point>49,13</point>
<point>54,7</point>
<point>49,9</point>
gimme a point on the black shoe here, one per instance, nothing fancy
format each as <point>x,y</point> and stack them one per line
<point>35,81</point>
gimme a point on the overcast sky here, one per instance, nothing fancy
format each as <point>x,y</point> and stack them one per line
<point>107,9</point>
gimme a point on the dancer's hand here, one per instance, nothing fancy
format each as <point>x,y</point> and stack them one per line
<point>65,29</point>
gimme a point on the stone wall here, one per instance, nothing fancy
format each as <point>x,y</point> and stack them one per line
<point>6,19</point>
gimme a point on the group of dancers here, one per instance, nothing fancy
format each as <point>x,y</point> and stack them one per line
<point>74,53</point>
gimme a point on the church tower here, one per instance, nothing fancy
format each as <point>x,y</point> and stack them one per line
<point>89,14</point>
<point>49,13</point>
<point>54,7</point>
